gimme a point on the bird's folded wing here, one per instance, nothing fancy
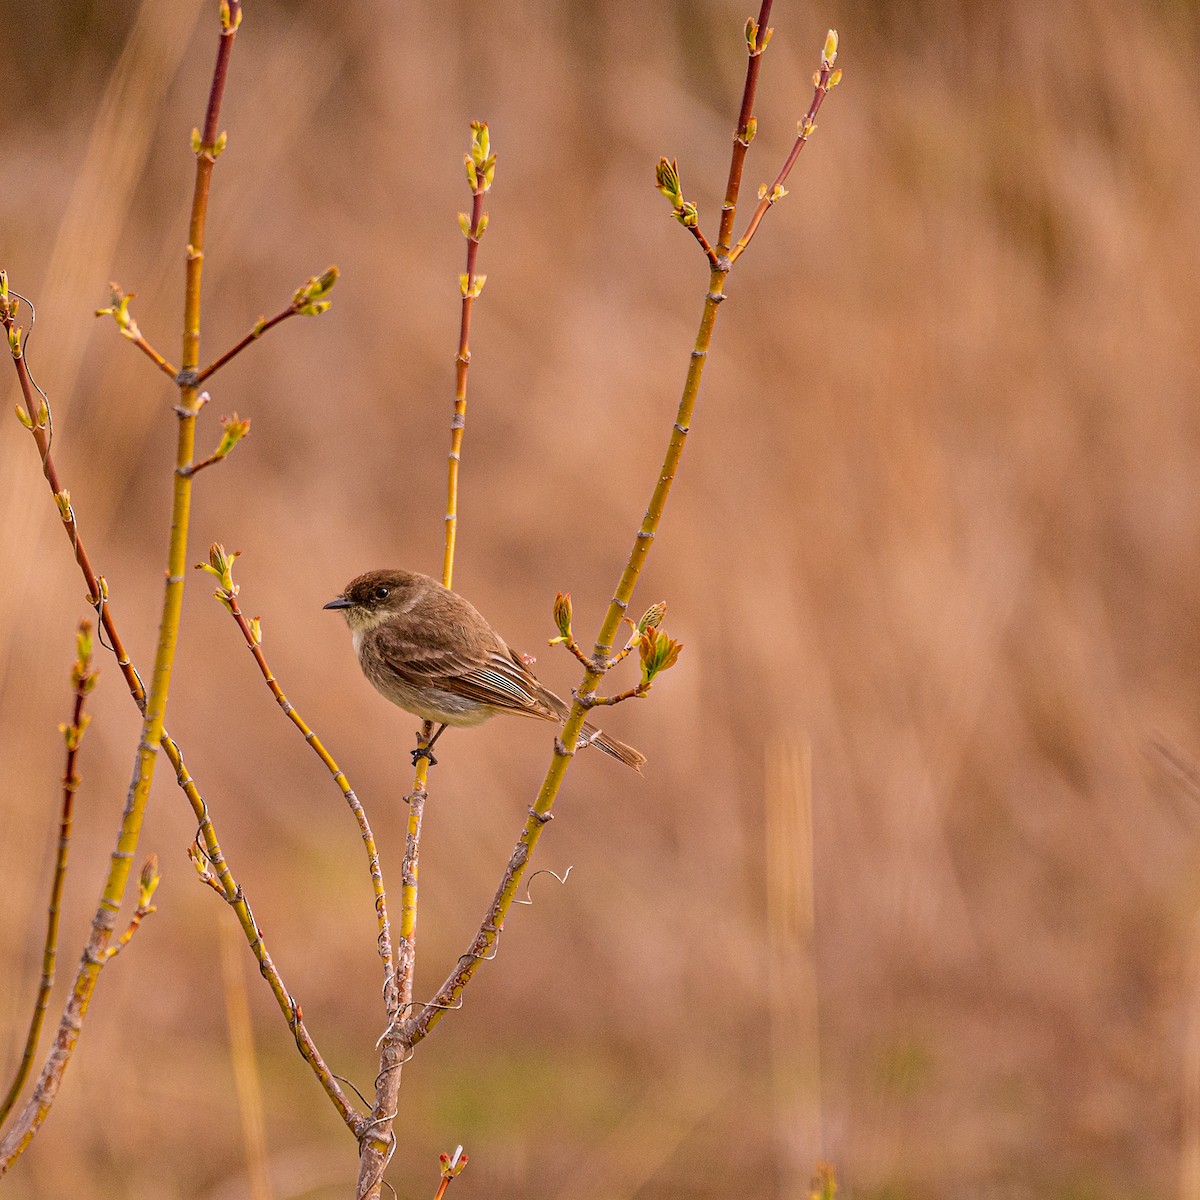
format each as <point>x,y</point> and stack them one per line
<point>504,683</point>
<point>492,677</point>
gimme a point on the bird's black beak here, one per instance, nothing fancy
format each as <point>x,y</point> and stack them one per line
<point>339,602</point>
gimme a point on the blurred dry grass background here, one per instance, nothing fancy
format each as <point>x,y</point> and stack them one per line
<point>934,554</point>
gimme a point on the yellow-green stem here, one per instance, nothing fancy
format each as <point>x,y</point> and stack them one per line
<point>447,997</point>
<point>103,923</point>
<point>384,940</point>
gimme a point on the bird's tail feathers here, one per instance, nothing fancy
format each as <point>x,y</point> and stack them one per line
<point>621,752</point>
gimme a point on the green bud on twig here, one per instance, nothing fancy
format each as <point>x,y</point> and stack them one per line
<point>220,567</point>
<point>197,859</point>
<point>754,43</point>
<point>309,300</point>
<point>562,617</point>
<point>235,430</point>
<point>471,287</point>
<point>148,881</point>
<point>666,178</point>
<point>63,500</point>
<point>72,738</point>
<point>658,653</point>
<point>24,417</point>
<point>452,1164</point>
<point>481,162</point>
<point>119,311</point>
<point>230,22</point>
<point>652,617</point>
<point>829,53</point>
<point>83,643</point>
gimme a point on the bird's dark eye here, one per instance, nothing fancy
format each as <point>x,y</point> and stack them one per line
<point>380,593</point>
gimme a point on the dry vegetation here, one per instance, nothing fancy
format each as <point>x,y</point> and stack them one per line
<point>937,536</point>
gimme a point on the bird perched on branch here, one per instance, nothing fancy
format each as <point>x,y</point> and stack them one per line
<point>430,652</point>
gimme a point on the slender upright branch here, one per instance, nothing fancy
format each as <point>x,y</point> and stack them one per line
<point>376,1148</point>
<point>481,169</point>
<point>84,680</point>
<point>758,34</point>
<point>103,923</point>
<point>213,870</point>
<point>824,81</point>
<point>220,566</point>
<point>449,994</point>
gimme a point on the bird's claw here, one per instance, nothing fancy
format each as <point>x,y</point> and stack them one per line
<point>425,752</point>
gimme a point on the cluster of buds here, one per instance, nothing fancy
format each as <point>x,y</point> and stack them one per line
<point>200,861</point>
<point>310,300</point>
<point>9,305</point>
<point>756,38</point>
<point>220,567</point>
<point>233,430</point>
<point>666,179</point>
<point>213,151</point>
<point>452,1165</point>
<point>480,162</point>
<point>231,16</point>
<point>83,678</point>
<point>658,652</point>
<point>118,309</point>
<point>43,412</point>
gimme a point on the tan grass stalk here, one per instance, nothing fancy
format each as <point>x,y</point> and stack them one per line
<point>245,1064</point>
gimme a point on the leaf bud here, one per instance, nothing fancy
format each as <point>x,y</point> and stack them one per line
<point>148,881</point>
<point>652,617</point>
<point>562,613</point>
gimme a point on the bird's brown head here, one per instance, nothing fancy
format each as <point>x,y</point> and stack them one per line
<point>372,598</point>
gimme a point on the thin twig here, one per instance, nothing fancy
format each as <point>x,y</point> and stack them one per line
<point>84,679</point>
<point>227,886</point>
<point>153,355</point>
<point>252,633</point>
<point>826,79</point>
<point>260,327</point>
<point>448,996</point>
<point>104,921</point>
<point>742,135</point>
<point>709,252</point>
<point>376,1149</point>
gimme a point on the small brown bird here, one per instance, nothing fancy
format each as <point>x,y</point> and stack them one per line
<point>431,653</point>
